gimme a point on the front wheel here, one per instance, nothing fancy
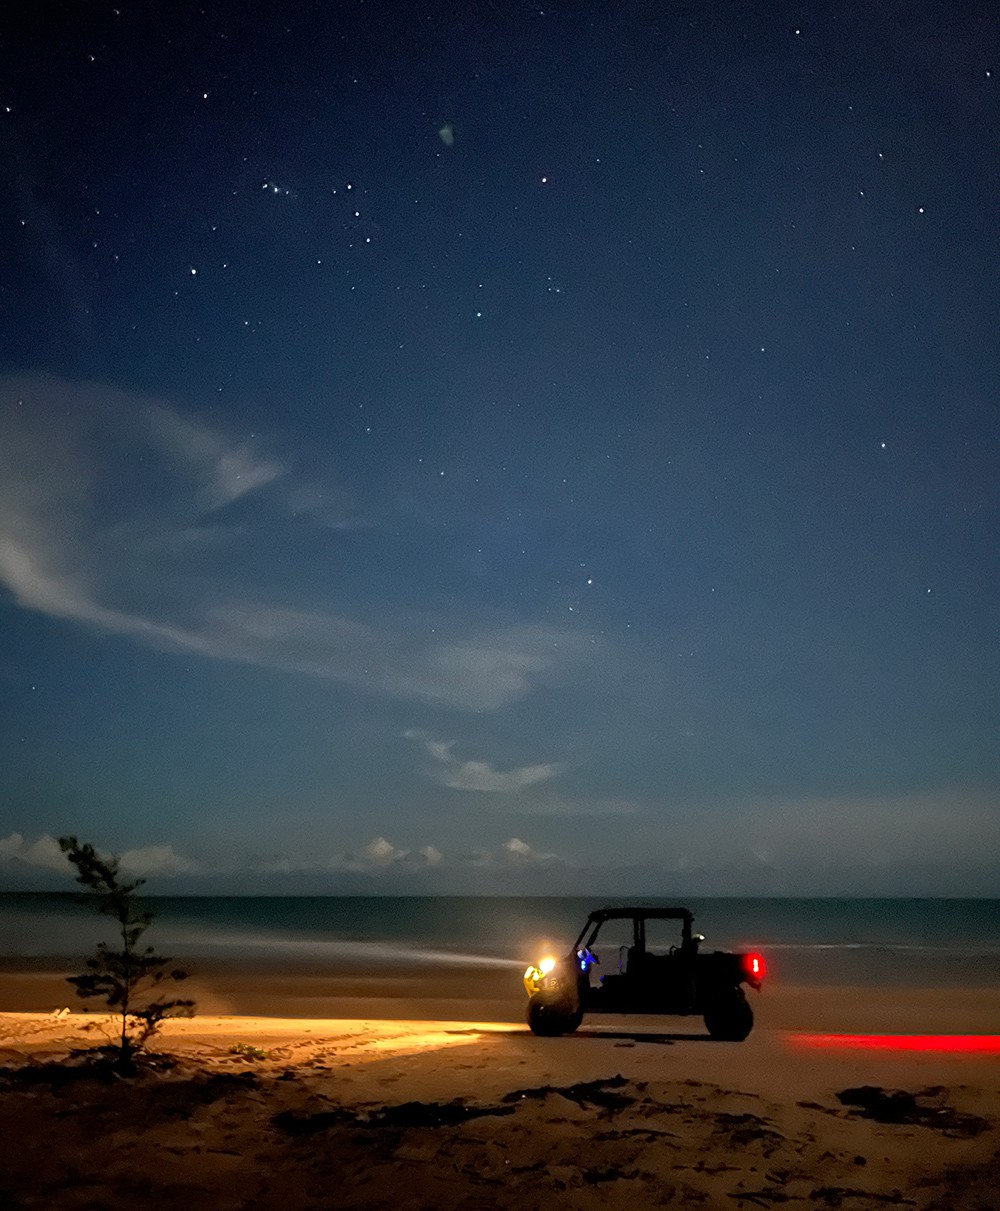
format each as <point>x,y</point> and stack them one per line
<point>730,1018</point>
<point>550,1019</point>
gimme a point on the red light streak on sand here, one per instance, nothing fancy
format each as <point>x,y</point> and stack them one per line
<point>966,1043</point>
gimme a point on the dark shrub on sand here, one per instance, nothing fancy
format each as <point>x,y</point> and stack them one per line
<point>128,980</point>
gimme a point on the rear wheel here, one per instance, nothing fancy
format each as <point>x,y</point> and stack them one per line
<point>730,1018</point>
<point>549,1018</point>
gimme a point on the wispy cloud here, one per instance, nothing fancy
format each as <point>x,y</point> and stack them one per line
<point>224,470</point>
<point>106,500</point>
<point>480,775</point>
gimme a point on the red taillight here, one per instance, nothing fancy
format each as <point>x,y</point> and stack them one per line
<point>753,965</point>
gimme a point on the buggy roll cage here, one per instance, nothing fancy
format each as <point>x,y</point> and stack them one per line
<point>638,917</point>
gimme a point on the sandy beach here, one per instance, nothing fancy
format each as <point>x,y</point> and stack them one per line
<point>847,1098</point>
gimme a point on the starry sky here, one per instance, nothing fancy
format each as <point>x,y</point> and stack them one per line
<point>503,447</point>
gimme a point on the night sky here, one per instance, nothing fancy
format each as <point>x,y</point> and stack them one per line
<point>502,447</point>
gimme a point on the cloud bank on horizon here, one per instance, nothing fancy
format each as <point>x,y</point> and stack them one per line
<point>163,863</point>
<point>44,854</point>
<point>845,847</point>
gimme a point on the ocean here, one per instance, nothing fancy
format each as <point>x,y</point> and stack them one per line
<point>905,942</point>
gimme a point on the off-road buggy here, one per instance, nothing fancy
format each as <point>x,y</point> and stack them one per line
<point>630,960</point>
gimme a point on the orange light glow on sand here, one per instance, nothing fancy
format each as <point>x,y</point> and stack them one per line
<point>952,1043</point>
<point>360,1039</point>
<point>422,1039</point>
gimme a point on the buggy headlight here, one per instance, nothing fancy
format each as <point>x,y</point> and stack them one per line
<point>544,975</point>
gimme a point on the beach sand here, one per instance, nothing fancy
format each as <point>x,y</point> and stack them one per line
<point>395,1094</point>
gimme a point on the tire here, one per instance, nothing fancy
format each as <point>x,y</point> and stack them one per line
<point>550,1020</point>
<point>730,1019</point>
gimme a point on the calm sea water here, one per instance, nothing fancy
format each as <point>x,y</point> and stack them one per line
<point>905,942</point>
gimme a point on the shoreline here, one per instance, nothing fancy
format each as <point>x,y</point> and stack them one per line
<point>402,992</point>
